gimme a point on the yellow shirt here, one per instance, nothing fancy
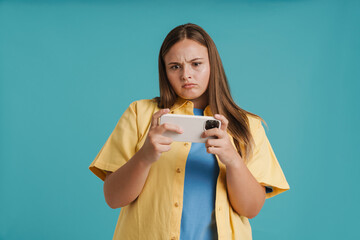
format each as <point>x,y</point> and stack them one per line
<point>156,213</point>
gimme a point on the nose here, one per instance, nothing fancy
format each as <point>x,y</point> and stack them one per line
<point>186,72</point>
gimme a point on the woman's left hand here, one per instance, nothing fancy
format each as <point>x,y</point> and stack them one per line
<point>221,145</point>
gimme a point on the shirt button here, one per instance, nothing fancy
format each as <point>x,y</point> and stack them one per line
<point>172,112</point>
<point>173,238</point>
<point>186,144</point>
<point>178,170</point>
<point>176,204</point>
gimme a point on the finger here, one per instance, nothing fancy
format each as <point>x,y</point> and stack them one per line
<point>162,148</point>
<point>157,115</point>
<point>214,143</point>
<point>169,127</point>
<point>223,120</point>
<point>213,150</point>
<point>165,148</point>
<point>164,140</point>
<point>214,132</point>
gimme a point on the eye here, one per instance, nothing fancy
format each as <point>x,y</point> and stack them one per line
<point>196,64</point>
<point>174,67</point>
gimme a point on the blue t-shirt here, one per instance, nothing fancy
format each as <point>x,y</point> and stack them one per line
<point>201,172</point>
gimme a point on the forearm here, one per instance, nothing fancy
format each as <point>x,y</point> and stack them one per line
<point>125,184</point>
<point>246,195</point>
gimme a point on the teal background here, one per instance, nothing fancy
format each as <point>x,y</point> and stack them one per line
<point>69,69</point>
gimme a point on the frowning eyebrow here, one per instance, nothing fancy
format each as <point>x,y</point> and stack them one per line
<point>192,60</point>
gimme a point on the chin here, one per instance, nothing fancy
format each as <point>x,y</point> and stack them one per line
<point>189,97</point>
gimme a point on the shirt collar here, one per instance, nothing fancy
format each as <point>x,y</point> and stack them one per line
<point>183,103</point>
<point>180,102</point>
<point>207,111</point>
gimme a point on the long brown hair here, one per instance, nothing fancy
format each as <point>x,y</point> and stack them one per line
<point>220,99</point>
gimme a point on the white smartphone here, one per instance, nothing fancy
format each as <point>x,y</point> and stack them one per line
<point>192,126</point>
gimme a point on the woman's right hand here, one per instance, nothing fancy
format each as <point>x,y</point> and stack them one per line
<point>155,142</point>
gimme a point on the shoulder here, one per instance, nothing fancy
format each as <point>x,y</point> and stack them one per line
<point>141,111</point>
<point>254,123</point>
<point>143,105</point>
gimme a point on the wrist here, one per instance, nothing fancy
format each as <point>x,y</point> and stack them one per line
<point>145,159</point>
<point>235,163</point>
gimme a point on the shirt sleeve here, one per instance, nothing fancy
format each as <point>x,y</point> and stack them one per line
<point>263,164</point>
<point>119,147</point>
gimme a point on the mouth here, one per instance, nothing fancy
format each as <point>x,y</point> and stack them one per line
<point>189,85</point>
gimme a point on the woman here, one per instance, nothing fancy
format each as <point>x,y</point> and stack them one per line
<point>176,190</point>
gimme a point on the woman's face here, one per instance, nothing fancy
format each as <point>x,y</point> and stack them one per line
<point>188,70</point>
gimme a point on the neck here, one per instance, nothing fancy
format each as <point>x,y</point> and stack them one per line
<point>201,102</point>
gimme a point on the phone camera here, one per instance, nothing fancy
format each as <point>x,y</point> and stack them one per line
<point>209,124</point>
